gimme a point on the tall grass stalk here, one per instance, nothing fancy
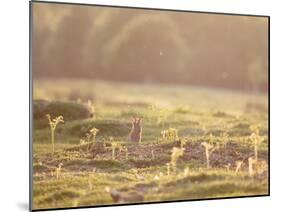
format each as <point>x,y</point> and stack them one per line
<point>251,162</point>
<point>238,166</point>
<point>182,143</point>
<point>256,139</point>
<point>168,168</point>
<point>53,125</point>
<point>152,155</point>
<point>114,146</point>
<point>176,153</point>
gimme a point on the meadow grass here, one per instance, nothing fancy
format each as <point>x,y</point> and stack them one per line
<point>88,168</point>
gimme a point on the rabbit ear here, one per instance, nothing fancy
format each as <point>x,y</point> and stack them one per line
<point>134,120</point>
<point>139,120</point>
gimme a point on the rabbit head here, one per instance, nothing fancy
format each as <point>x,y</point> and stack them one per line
<point>135,134</point>
<point>136,123</point>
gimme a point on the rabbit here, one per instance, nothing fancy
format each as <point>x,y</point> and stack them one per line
<point>136,131</point>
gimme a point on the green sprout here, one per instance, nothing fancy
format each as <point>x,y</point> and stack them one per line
<point>91,135</point>
<point>209,149</point>
<point>94,132</point>
<point>58,170</point>
<point>53,124</point>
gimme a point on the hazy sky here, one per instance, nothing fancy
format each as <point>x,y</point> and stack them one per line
<point>149,46</point>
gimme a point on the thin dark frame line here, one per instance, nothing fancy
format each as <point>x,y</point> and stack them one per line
<point>138,203</point>
<point>148,8</point>
<point>268,92</point>
<point>30,110</point>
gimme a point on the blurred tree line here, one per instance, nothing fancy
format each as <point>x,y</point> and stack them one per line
<point>150,46</point>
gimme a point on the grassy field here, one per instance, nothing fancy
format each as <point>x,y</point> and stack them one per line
<point>169,163</point>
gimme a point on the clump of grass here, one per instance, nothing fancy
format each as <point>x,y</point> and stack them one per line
<point>176,153</point>
<point>170,134</point>
<point>114,145</point>
<point>53,125</point>
<point>168,168</point>
<point>209,149</point>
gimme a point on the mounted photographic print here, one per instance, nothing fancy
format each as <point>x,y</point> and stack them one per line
<point>137,105</point>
